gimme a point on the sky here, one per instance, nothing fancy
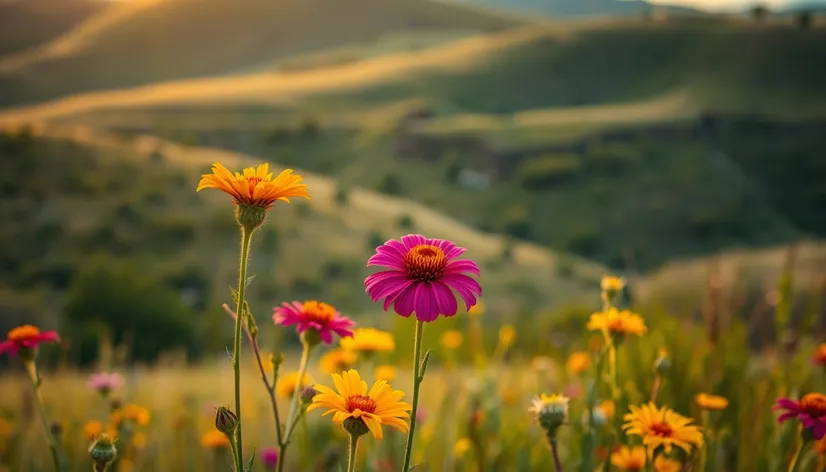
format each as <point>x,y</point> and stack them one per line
<point>722,5</point>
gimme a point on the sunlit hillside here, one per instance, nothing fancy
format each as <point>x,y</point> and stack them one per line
<point>26,24</point>
<point>141,42</point>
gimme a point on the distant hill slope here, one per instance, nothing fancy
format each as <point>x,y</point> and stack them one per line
<point>583,8</point>
<point>27,23</point>
<point>156,40</point>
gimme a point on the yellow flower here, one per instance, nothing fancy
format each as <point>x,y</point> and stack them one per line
<point>139,440</point>
<point>710,402</point>
<point>268,364</point>
<point>336,361</point>
<point>578,362</point>
<point>461,447</point>
<point>507,335</point>
<point>287,384</point>
<point>380,406</point>
<point>664,464</point>
<point>92,429</point>
<point>629,458</point>
<point>607,409</point>
<point>477,309</point>
<point>255,187</point>
<point>452,339</point>
<point>214,439</point>
<point>610,283</point>
<point>369,340</point>
<point>385,372</point>
<point>131,412</point>
<point>819,356</point>
<point>662,427</point>
<point>617,322</point>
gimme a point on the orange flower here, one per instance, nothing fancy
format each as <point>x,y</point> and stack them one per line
<point>214,439</point>
<point>578,362</point>
<point>710,402</point>
<point>255,187</point>
<point>820,355</point>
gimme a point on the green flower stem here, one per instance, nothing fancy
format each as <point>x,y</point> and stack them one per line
<point>31,368</point>
<point>557,462</point>
<point>246,236</point>
<point>704,420</point>
<point>351,457</point>
<point>801,444</point>
<point>294,414</point>
<point>418,376</point>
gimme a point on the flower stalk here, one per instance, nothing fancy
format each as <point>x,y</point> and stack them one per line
<point>246,237</point>
<point>31,369</point>
<point>419,368</point>
<point>351,457</point>
<point>801,445</point>
<point>554,450</point>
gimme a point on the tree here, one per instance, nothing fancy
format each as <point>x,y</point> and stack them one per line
<point>760,12</point>
<point>803,19</point>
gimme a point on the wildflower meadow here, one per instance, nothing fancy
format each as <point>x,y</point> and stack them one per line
<point>631,388</point>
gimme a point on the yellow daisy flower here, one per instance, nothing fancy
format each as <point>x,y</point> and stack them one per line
<point>385,372</point>
<point>452,339</point>
<point>356,408</point>
<point>287,384</point>
<point>336,361</point>
<point>578,362</point>
<point>664,464</point>
<point>617,322</point>
<point>629,458</point>
<point>662,427</point>
<point>369,340</point>
<point>610,283</point>
<point>710,402</point>
<point>255,187</point>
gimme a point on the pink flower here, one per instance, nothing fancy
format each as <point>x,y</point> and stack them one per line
<point>810,410</point>
<point>26,338</point>
<point>269,456</point>
<point>318,316</point>
<point>105,383</point>
<point>422,277</point>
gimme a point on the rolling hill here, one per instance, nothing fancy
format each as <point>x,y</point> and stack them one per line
<point>584,8</point>
<point>25,24</point>
<point>138,43</point>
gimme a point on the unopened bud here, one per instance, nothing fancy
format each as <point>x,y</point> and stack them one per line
<point>103,452</point>
<point>611,286</point>
<point>225,421</point>
<point>663,363</point>
<point>56,428</point>
<point>307,394</point>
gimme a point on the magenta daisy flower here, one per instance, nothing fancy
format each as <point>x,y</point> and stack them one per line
<point>318,316</point>
<point>104,383</point>
<point>810,410</point>
<point>26,338</point>
<point>422,277</point>
<point>269,456</point>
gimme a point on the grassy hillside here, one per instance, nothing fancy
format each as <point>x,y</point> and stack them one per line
<point>583,8</point>
<point>28,23</point>
<point>78,197</point>
<point>158,40</point>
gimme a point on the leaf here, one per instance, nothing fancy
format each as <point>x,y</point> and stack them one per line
<point>423,368</point>
<point>251,462</point>
<point>249,280</point>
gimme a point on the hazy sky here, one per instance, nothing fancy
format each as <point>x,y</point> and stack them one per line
<point>721,4</point>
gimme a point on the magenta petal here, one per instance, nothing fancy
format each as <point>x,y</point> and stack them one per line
<point>386,261</point>
<point>445,299</point>
<point>412,240</point>
<point>425,302</point>
<point>462,266</point>
<point>9,347</point>
<point>326,336</point>
<point>403,304</point>
<point>393,246</point>
<point>819,430</point>
<point>465,286</point>
<point>787,404</point>
<point>48,336</point>
<point>786,416</point>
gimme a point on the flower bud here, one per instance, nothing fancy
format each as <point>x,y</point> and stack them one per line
<point>551,412</point>
<point>355,426</point>
<point>250,217</point>
<point>225,421</point>
<point>611,286</point>
<point>56,428</point>
<point>103,452</point>
<point>663,363</point>
<point>307,394</point>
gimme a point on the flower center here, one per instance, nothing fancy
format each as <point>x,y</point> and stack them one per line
<point>425,262</point>
<point>253,182</point>
<point>661,429</point>
<point>360,402</point>
<point>616,325</point>
<point>319,312</point>
<point>814,404</point>
<point>22,333</point>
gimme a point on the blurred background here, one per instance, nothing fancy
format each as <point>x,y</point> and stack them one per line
<point>681,145</point>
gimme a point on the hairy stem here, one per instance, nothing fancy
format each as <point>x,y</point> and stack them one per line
<point>417,380</point>
<point>246,236</point>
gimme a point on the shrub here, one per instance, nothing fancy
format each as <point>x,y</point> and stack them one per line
<point>405,222</point>
<point>547,171</point>
<point>390,184</point>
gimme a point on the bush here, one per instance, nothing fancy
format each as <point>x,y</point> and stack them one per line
<point>390,184</point>
<point>122,300</point>
<point>405,222</point>
<point>342,195</point>
<point>547,171</point>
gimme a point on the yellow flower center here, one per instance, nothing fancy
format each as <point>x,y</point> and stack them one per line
<point>663,430</point>
<point>814,404</point>
<point>22,333</point>
<point>360,402</point>
<point>425,262</point>
<point>319,311</point>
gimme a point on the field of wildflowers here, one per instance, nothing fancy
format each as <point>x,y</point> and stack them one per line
<point>632,392</point>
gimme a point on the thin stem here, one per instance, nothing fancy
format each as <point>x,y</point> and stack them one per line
<point>417,379</point>
<point>797,453</point>
<point>31,368</point>
<point>246,236</point>
<point>557,463</point>
<point>655,389</point>
<point>704,419</point>
<point>299,385</point>
<point>351,457</point>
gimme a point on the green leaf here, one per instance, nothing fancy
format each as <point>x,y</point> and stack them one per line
<point>251,462</point>
<point>423,368</point>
